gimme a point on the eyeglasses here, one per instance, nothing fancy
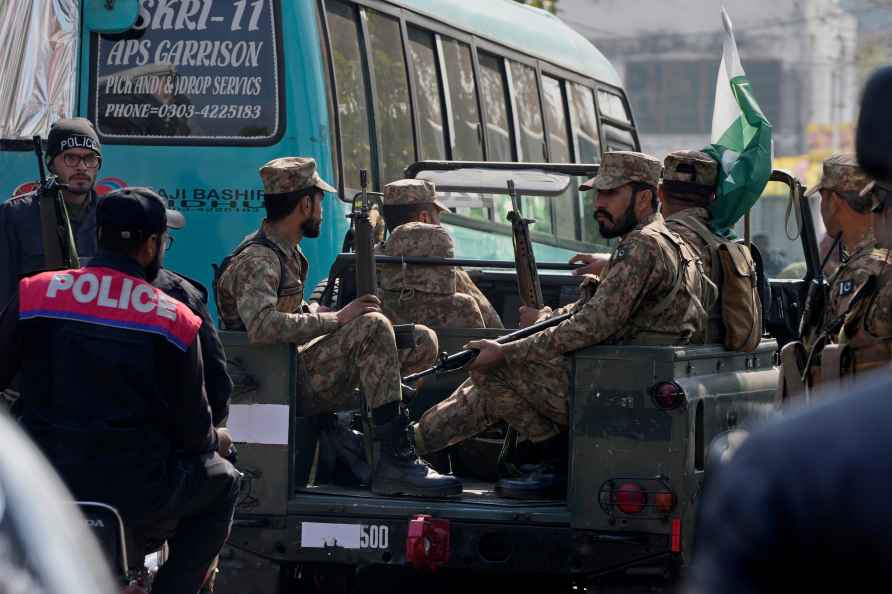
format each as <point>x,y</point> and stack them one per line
<point>168,241</point>
<point>90,161</point>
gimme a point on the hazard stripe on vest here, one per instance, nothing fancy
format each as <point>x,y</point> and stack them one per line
<point>107,297</point>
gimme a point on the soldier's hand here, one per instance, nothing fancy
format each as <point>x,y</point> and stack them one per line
<point>593,263</point>
<point>357,307</point>
<point>491,354</point>
<point>531,315</point>
<point>224,441</point>
<point>316,307</point>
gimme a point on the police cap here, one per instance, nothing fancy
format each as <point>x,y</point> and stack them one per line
<point>136,212</point>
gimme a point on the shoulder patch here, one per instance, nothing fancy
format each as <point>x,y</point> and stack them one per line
<point>846,287</point>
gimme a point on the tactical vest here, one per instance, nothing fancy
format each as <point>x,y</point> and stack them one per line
<point>737,315</point>
<point>287,293</point>
<point>689,277</point>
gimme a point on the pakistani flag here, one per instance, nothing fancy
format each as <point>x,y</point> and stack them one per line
<point>741,139</point>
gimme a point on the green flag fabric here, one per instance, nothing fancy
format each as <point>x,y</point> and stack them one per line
<point>741,140</point>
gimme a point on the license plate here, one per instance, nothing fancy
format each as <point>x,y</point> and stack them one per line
<point>323,535</point>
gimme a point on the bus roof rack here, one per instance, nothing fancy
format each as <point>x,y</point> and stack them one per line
<point>530,179</point>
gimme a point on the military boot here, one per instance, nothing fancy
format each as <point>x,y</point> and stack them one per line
<point>546,480</point>
<point>399,471</point>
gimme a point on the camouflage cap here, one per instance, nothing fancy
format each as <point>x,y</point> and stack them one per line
<point>411,191</point>
<point>419,240</point>
<point>692,167</point>
<point>623,167</point>
<point>841,173</point>
<point>291,174</point>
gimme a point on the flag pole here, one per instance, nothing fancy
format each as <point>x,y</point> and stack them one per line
<point>746,229</point>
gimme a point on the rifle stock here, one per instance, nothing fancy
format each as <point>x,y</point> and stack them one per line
<point>456,361</point>
<point>525,261</point>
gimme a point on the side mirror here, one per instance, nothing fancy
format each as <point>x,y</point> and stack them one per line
<point>110,16</point>
<point>874,135</point>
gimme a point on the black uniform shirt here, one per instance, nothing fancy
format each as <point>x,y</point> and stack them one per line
<point>217,382</point>
<point>21,240</point>
<point>805,505</point>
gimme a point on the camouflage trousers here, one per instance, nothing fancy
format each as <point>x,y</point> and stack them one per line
<point>361,354</point>
<point>531,397</point>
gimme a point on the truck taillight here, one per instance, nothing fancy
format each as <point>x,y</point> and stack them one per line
<point>630,498</point>
<point>664,501</point>
<point>427,542</point>
<point>668,395</point>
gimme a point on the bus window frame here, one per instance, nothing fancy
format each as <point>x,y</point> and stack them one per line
<point>630,126</point>
<point>409,18</point>
<point>92,100</point>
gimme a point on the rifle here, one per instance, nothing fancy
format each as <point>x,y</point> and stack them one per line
<point>364,241</point>
<point>59,248</point>
<point>524,261</point>
<point>816,299</point>
<point>457,361</point>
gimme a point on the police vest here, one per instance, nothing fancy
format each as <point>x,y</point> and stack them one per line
<point>107,297</point>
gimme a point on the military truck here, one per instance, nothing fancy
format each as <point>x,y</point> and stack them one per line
<point>643,420</point>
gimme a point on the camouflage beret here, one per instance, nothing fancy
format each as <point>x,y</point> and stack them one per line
<point>419,240</point>
<point>842,174</point>
<point>292,174</point>
<point>411,191</point>
<point>623,167</point>
<point>693,167</point>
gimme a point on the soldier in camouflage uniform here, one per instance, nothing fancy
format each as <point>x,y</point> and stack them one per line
<point>856,316</point>
<point>260,290</point>
<point>649,294</point>
<point>434,295</point>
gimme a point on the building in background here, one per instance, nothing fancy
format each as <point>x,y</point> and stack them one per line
<point>801,56</point>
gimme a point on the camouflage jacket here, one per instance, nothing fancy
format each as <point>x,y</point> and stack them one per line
<point>851,278</point>
<point>253,296</point>
<point>649,287</point>
<point>691,224</point>
<point>439,296</point>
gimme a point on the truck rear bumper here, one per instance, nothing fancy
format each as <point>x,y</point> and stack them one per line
<point>477,546</point>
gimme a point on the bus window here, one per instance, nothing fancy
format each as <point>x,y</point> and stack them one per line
<point>499,132</point>
<point>393,118</point>
<point>559,152</point>
<point>467,140</point>
<point>350,81</point>
<point>212,81</point>
<point>529,113</point>
<point>525,91</point>
<point>612,106</point>
<point>429,100</point>
<point>588,147</point>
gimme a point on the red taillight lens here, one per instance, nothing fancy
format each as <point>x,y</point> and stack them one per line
<point>664,502</point>
<point>668,395</point>
<point>427,542</point>
<point>629,498</point>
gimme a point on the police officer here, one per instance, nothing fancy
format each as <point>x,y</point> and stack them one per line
<point>440,296</point>
<point>73,154</point>
<point>648,294</point>
<point>112,389</point>
<point>260,290</point>
<point>217,383</point>
<point>856,283</point>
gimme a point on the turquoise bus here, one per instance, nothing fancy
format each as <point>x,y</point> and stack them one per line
<point>196,95</point>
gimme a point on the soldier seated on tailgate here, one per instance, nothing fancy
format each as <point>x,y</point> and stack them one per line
<point>442,296</point>
<point>857,314</point>
<point>260,290</point>
<point>649,293</point>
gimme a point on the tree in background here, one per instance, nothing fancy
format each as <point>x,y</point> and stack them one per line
<point>549,5</point>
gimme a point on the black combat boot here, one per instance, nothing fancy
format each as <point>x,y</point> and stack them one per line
<point>399,471</point>
<point>546,480</point>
